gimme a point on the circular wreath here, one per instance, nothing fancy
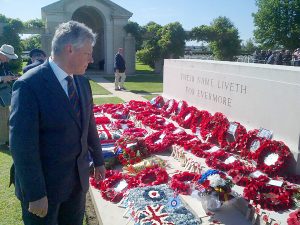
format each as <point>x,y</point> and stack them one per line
<point>182,182</point>
<point>212,126</point>
<point>185,117</point>
<point>157,102</point>
<point>249,144</point>
<point>135,131</point>
<point>269,197</point>
<point>141,115</point>
<point>158,142</point>
<point>107,186</point>
<point>272,157</point>
<point>169,107</point>
<point>112,108</point>
<point>181,106</point>
<point>222,160</point>
<point>136,105</point>
<point>224,140</point>
<point>155,122</point>
<point>120,114</point>
<point>201,149</point>
<point>198,119</point>
<point>152,176</point>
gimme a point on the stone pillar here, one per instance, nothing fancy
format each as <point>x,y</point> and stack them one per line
<point>4,116</point>
<point>129,45</point>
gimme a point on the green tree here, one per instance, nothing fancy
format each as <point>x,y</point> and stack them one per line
<point>151,52</point>
<point>10,35</point>
<point>34,41</point>
<point>277,23</point>
<point>162,42</point>
<point>222,36</point>
<point>137,31</point>
<point>249,46</point>
<point>172,40</point>
<point>35,23</point>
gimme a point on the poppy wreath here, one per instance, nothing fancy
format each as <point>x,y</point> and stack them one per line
<point>245,144</point>
<point>185,117</point>
<point>136,105</point>
<point>185,140</point>
<point>159,142</point>
<point>212,127</point>
<point>201,149</point>
<point>109,184</point>
<point>157,102</point>
<point>240,175</point>
<point>218,160</point>
<point>239,134</point>
<point>111,108</point>
<point>182,105</point>
<point>120,114</point>
<point>182,182</point>
<point>123,124</point>
<point>102,120</point>
<point>152,176</point>
<point>198,119</point>
<point>102,108</point>
<point>154,122</point>
<point>269,197</point>
<point>272,157</point>
<point>130,150</point>
<point>146,113</point>
<point>189,144</point>
<point>169,107</point>
<point>294,218</point>
<point>135,131</point>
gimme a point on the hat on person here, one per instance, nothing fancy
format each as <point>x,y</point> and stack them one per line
<point>36,51</point>
<point>8,51</point>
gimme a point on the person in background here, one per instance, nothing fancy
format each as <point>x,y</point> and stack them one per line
<point>7,53</point>
<point>53,130</point>
<point>37,57</point>
<point>119,67</point>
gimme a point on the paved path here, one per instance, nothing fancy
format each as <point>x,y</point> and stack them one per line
<point>110,86</point>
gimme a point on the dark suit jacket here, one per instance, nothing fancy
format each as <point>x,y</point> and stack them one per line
<point>119,63</point>
<point>49,144</point>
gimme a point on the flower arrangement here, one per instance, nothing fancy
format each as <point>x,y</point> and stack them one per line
<point>130,150</point>
<point>135,131</point>
<point>169,107</point>
<point>157,102</point>
<point>152,176</point>
<point>182,182</point>
<point>159,142</point>
<point>272,157</point>
<point>198,119</point>
<point>294,218</point>
<point>215,182</point>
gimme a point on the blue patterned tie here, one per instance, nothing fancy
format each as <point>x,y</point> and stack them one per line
<point>73,97</point>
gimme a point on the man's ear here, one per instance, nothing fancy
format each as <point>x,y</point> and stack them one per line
<point>69,48</point>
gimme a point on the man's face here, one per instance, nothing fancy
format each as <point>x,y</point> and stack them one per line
<point>80,58</point>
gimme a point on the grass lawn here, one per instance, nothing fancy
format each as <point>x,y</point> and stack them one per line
<point>142,68</point>
<point>114,100</point>
<point>10,209</point>
<point>149,97</point>
<point>97,89</point>
<point>142,83</point>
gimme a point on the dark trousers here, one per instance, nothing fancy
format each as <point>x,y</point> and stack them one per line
<point>69,212</point>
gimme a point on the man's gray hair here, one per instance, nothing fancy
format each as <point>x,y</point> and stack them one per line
<point>73,33</point>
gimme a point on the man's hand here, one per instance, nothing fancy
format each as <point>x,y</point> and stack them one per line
<point>8,78</point>
<point>39,207</point>
<point>100,173</point>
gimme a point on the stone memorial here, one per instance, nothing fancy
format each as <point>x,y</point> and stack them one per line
<point>258,96</point>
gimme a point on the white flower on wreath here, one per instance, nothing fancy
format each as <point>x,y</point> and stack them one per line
<point>215,181</point>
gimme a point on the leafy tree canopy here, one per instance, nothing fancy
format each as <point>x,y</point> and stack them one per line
<point>32,42</point>
<point>222,36</point>
<point>277,23</point>
<point>137,31</point>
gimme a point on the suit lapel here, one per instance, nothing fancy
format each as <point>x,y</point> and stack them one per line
<point>53,85</point>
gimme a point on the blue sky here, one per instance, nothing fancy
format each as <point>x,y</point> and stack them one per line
<point>190,13</point>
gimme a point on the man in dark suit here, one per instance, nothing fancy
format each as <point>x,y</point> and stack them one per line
<point>37,57</point>
<point>52,128</point>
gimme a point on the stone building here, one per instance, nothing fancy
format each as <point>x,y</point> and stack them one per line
<point>105,18</point>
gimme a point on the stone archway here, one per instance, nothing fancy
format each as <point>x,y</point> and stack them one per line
<point>91,17</point>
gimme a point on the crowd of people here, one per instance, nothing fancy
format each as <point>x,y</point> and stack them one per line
<point>277,57</point>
